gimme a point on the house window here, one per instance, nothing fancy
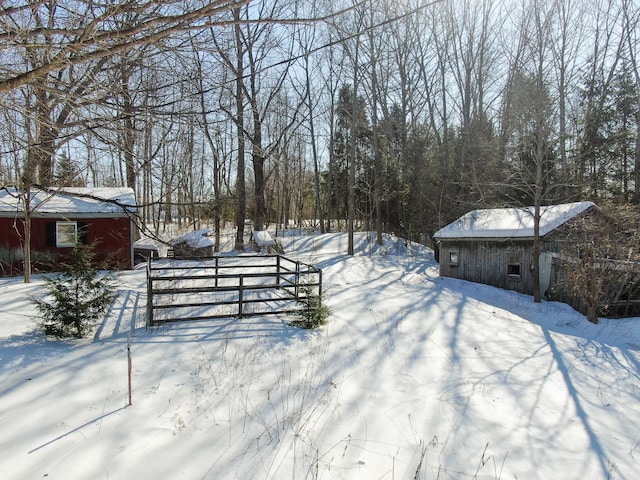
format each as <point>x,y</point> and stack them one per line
<point>513,266</point>
<point>66,234</point>
<point>454,258</point>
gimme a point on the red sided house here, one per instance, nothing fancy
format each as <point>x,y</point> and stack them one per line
<point>61,218</point>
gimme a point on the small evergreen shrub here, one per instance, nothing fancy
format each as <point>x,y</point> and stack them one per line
<point>78,296</point>
<point>313,313</point>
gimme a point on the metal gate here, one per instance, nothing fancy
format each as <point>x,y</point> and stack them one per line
<point>228,286</point>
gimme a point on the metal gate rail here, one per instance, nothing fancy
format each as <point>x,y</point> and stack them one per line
<point>181,289</point>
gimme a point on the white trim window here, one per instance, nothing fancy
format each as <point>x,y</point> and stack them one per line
<point>454,258</point>
<point>66,234</point>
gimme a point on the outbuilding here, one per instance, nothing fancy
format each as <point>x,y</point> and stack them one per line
<point>62,217</point>
<point>495,246</point>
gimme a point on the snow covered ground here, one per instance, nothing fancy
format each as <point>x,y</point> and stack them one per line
<point>414,377</point>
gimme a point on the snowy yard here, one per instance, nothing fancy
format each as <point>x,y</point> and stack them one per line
<point>415,376</point>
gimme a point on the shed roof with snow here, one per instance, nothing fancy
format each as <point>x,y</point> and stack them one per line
<point>510,222</point>
<point>197,239</point>
<point>79,202</point>
<point>263,239</point>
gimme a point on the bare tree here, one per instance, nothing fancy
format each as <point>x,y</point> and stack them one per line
<point>86,31</point>
<point>566,44</point>
<point>374,52</point>
<point>256,43</point>
<point>262,91</point>
<point>306,40</point>
<point>212,138</point>
<point>527,129</point>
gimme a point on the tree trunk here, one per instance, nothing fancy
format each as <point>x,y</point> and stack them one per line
<point>314,148</point>
<point>27,234</point>
<point>128,132</point>
<point>377,166</point>
<point>351,196</point>
<point>258,158</point>
<point>260,205</point>
<point>636,173</point>
<point>241,200</point>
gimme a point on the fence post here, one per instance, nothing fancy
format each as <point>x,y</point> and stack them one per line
<point>130,365</point>
<point>320,284</point>
<point>149,295</point>
<point>216,284</point>
<point>240,293</point>
<point>278,271</point>
<point>297,280</point>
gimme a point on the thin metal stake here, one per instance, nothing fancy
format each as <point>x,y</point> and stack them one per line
<point>130,365</point>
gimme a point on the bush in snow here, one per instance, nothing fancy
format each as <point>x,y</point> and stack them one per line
<point>313,313</point>
<point>78,296</point>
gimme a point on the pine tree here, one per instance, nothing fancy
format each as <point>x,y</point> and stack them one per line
<point>67,173</point>
<point>78,296</point>
<point>313,313</point>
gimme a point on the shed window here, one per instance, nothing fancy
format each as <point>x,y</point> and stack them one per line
<point>66,234</point>
<point>513,267</point>
<point>454,258</point>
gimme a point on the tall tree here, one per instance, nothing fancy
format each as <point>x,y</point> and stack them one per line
<point>631,19</point>
<point>531,154</point>
<point>305,40</point>
<point>240,187</point>
<point>212,137</point>
<point>605,56</point>
<point>352,149</point>
<point>374,54</point>
<point>566,44</point>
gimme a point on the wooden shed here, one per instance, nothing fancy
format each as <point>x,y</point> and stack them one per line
<point>59,219</point>
<point>192,244</point>
<point>495,246</point>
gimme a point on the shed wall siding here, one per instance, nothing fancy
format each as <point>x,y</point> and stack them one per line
<point>113,236</point>
<point>487,262</point>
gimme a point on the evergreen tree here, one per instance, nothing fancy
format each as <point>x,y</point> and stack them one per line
<point>314,312</point>
<point>606,140</point>
<point>626,108</point>
<point>77,296</point>
<point>530,159</point>
<point>351,125</point>
<point>67,173</point>
<point>595,130</point>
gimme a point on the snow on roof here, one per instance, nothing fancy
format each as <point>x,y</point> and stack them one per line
<point>145,244</point>
<point>263,239</point>
<point>196,239</point>
<point>511,222</point>
<point>95,201</point>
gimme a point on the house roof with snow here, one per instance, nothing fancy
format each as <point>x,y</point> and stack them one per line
<point>80,202</point>
<point>510,222</point>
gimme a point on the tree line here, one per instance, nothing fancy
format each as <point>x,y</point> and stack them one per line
<point>390,115</point>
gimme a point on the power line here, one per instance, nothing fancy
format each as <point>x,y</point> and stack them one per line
<point>343,39</point>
